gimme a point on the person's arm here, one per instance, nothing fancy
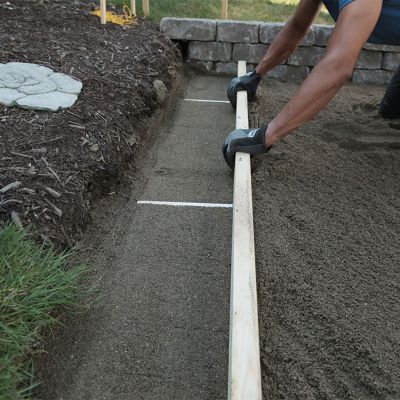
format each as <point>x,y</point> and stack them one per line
<point>281,48</point>
<point>290,36</point>
<point>355,24</point>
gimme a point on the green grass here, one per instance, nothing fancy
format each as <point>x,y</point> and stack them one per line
<point>261,10</point>
<point>34,282</point>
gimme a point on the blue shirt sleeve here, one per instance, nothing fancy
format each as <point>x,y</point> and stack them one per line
<point>387,29</point>
<point>343,3</point>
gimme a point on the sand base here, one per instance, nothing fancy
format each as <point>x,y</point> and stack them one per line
<point>327,222</point>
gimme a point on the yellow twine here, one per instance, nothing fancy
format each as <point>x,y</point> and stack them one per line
<point>126,19</point>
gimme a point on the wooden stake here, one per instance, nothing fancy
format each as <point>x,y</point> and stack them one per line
<point>103,10</point>
<point>244,378</point>
<point>224,9</point>
<point>146,7</point>
<point>133,7</point>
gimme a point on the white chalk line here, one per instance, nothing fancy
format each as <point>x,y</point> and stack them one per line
<point>185,204</point>
<point>208,101</point>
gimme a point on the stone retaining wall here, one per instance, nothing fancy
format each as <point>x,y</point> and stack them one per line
<point>216,46</point>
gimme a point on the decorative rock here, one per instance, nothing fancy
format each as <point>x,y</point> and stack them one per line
<point>252,53</point>
<point>28,66</point>
<point>66,84</point>
<point>369,60</point>
<point>289,73</point>
<point>210,51</point>
<point>9,96</point>
<point>189,28</point>
<point>53,101</point>
<point>322,34</point>
<point>378,77</point>
<point>306,56</point>
<point>161,90</point>
<point>237,31</point>
<point>37,87</point>
<point>269,30</point>
<point>391,61</point>
<point>34,86</point>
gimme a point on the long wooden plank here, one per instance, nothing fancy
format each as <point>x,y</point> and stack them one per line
<point>244,354</point>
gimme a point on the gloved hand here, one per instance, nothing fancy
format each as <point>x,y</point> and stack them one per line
<point>248,82</point>
<point>250,141</point>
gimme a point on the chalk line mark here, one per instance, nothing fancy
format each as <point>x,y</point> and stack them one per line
<point>208,101</point>
<point>185,204</point>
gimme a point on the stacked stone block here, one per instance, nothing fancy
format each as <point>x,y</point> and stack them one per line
<point>216,45</point>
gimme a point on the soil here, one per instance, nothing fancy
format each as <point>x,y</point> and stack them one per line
<point>327,228</point>
<point>66,160</point>
<point>159,327</point>
<point>326,200</point>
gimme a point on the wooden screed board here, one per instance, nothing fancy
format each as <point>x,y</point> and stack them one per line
<point>244,381</point>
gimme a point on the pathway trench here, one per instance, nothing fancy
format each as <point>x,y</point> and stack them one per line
<point>160,329</point>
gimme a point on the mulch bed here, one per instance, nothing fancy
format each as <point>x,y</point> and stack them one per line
<point>66,160</point>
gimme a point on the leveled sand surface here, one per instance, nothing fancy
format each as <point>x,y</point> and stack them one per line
<point>327,228</point>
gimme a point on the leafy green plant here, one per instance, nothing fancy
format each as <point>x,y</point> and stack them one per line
<point>34,282</point>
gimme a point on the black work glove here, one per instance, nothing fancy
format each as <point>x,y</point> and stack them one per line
<point>248,82</point>
<point>251,141</point>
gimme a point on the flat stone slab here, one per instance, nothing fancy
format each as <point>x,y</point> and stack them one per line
<point>36,87</point>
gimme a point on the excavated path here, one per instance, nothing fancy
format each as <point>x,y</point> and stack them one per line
<point>160,329</point>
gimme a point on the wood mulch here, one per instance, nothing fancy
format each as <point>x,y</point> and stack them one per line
<point>54,165</point>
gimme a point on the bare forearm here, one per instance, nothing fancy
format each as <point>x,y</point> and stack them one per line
<point>281,48</point>
<point>356,21</point>
<point>313,95</point>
